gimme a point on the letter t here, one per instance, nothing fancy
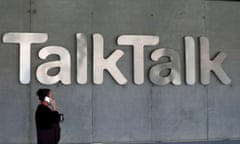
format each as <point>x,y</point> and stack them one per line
<point>138,42</point>
<point>25,40</point>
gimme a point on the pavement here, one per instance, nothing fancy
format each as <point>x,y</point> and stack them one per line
<point>195,142</point>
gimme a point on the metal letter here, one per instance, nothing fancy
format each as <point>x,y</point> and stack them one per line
<point>174,67</point>
<point>81,58</point>
<point>64,64</point>
<point>211,65</point>
<point>25,40</point>
<point>190,60</point>
<point>110,64</point>
<point>138,42</point>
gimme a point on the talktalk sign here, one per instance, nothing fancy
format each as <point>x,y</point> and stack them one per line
<point>101,63</point>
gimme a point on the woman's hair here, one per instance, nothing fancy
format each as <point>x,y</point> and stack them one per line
<point>42,93</point>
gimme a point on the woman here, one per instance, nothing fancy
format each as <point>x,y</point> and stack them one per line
<point>47,118</point>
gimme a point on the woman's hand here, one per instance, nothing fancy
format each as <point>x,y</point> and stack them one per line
<point>53,104</point>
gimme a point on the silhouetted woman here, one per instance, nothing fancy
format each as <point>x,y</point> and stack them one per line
<point>47,118</point>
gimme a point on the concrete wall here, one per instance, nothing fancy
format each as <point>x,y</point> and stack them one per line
<point>128,113</point>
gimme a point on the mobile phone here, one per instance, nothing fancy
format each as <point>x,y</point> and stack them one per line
<point>47,99</point>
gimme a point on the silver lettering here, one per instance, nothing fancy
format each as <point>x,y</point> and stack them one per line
<point>160,74</point>
<point>190,60</point>
<point>64,64</point>
<point>81,58</point>
<point>110,64</point>
<point>174,67</point>
<point>211,65</point>
<point>138,42</point>
<point>25,40</point>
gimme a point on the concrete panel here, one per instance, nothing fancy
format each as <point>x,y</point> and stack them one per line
<point>121,113</point>
<point>62,19</point>
<point>122,17</point>
<point>14,15</point>
<point>224,32</point>
<point>14,98</point>
<point>76,104</point>
<point>15,115</point>
<point>179,113</point>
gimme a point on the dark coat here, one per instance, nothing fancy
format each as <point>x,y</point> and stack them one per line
<point>47,124</point>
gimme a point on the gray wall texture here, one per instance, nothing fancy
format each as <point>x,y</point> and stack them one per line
<point>111,113</point>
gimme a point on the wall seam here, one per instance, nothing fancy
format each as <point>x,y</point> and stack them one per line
<point>207,88</point>
<point>151,114</point>
<point>31,119</point>
<point>30,14</point>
